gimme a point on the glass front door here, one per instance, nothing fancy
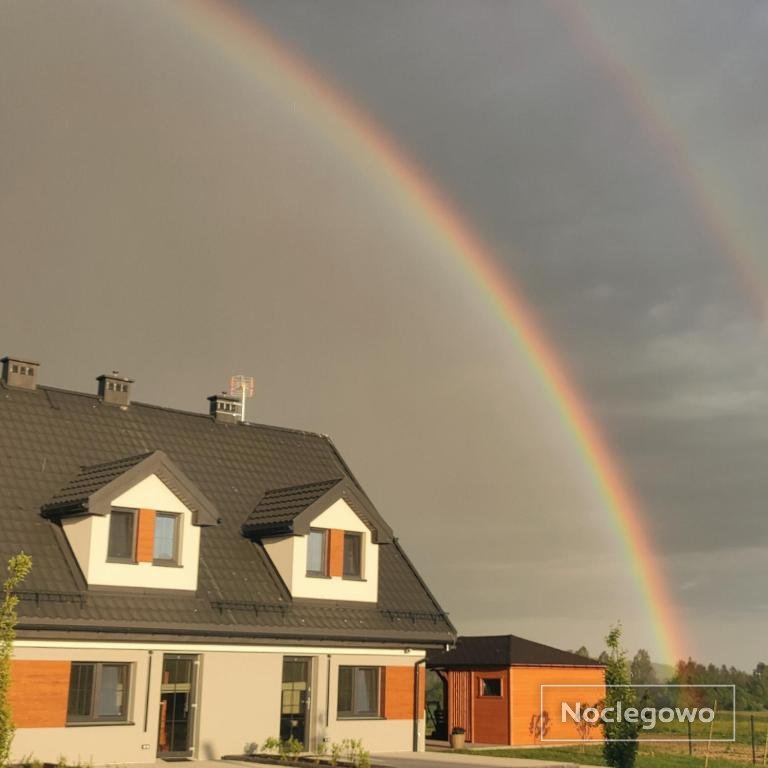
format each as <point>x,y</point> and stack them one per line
<point>295,699</point>
<point>177,706</point>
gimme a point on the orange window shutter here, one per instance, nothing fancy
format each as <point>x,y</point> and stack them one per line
<point>145,538</point>
<point>38,693</point>
<point>336,553</point>
<point>398,693</point>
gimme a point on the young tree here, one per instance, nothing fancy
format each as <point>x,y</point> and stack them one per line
<point>620,747</point>
<point>19,567</point>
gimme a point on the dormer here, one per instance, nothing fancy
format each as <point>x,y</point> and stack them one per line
<point>134,522</point>
<point>323,538</point>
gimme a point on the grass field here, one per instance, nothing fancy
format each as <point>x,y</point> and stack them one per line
<point>670,754</point>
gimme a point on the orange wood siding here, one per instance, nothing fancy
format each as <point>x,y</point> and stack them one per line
<point>460,701</point>
<point>398,692</point>
<point>491,713</point>
<point>145,538</point>
<point>38,693</point>
<point>526,702</point>
<point>335,552</point>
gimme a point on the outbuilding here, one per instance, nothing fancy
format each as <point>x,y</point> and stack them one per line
<point>504,689</point>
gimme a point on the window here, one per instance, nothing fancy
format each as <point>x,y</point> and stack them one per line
<point>490,686</point>
<point>317,552</point>
<point>98,693</point>
<point>352,555</point>
<point>122,536</point>
<point>358,692</point>
<point>166,538</point>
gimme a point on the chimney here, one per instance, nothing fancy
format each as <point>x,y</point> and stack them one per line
<point>225,408</point>
<point>114,389</point>
<point>20,373</point>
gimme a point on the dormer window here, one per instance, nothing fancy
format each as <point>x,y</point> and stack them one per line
<point>317,552</point>
<point>122,536</point>
<point>324,539</point>
<point>353,555</point>
<point>125,517</point>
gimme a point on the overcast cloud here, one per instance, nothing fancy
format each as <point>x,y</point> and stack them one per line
<point>162,213</point>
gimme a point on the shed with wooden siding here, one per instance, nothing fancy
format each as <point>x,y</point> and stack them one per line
<point>492,687</point>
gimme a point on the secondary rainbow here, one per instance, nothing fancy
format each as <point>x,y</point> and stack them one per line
<point>238,36</point>
<point>704,191</point>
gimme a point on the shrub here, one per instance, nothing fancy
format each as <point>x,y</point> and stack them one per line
<point>19,567</point>
<point>271,745</point>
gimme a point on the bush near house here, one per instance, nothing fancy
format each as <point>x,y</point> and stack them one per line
<point>19,567</point>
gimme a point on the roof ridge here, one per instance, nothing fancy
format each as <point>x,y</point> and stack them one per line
<point>185,412</point>
<point>301,486</point>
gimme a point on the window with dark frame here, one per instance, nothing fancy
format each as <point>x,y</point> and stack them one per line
<point>122,536</point>
<point>353,549</point>
<point>358,694</point>
<point>98,692</point>
<point>317,552</point>
<point>490,686</point>
<point>166,545</point>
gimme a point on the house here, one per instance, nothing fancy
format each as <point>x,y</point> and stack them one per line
<point>492,687</point>
<point>198,583</point>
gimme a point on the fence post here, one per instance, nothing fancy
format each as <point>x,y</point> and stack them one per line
<point>752,734</point>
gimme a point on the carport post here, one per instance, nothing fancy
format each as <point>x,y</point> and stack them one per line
<point>416,712</point>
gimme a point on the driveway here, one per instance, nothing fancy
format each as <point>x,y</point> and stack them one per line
<point>451,760</point>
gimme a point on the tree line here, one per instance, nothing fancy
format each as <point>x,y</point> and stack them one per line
<point>751,688</point>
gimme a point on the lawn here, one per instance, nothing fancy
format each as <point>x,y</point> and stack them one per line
<point>667,755</point>
<point>593,755</point>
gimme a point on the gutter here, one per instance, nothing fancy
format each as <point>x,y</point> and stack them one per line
<point>50,631</point>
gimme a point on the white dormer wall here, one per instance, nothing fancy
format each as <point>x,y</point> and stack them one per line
<point>289,556</point>
<point>88,536</point>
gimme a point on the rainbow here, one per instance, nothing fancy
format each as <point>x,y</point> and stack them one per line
<point>238,36</point>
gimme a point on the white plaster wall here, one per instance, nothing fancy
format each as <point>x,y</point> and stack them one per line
<point>340,516</point>
<point>98,744</point>
<point>281,553</point>
<point>150,493</point>
<point>377,734</point>
<point>78,531</point>
<point>238,701</point>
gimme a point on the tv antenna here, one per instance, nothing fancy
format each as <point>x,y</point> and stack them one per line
<point>242,386</point>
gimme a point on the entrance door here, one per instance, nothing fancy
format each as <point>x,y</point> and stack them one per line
<point>177,706</point>
<point>295,699</point>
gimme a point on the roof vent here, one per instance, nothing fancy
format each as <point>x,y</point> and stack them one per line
<point>225,408</point>
<point>20,373</point>
<point>114,388</point>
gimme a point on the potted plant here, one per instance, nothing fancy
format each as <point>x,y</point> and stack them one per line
<point>457,738</point>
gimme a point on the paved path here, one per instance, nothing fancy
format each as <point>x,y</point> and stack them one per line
<point>451,760</point>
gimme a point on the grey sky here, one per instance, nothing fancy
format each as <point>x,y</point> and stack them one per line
<point>162,213</point>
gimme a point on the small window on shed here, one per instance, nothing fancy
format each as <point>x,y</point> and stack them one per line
<point>490,686</point>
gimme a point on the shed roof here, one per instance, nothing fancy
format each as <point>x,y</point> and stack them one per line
<point>504,651</point>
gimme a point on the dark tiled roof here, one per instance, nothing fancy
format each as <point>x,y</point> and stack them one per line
<point>91,479</point>
<point>280,506</point>
<point>48,435</point>
<point>504,651</point>
<point>93,488</point>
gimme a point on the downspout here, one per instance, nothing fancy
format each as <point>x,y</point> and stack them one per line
<point>416,713</point>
